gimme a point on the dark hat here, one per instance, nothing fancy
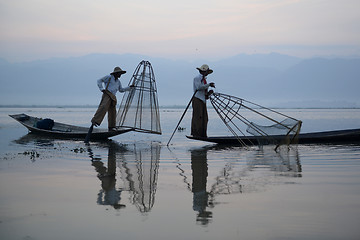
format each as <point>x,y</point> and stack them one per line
<point>118,70</point>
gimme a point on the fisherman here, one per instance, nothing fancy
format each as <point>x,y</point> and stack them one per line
<point>200,116</point>
<point>108,101</point>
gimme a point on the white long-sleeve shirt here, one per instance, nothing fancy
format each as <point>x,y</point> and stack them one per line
<point>114,85</point>
<point>201,87</point>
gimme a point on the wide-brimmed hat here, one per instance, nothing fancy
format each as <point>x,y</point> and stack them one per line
<point>205,68</point>
<point>118,70</point>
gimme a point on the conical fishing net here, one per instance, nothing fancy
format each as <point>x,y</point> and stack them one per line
<point>139,108</point>
<point>242,117</point>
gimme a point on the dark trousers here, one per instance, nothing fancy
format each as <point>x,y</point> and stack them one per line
<point>199,118</point>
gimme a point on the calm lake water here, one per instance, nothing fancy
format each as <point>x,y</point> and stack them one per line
<point>135,187</point>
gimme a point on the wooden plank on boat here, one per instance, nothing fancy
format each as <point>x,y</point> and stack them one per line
<point>339,136</point>
<point>61,130</point>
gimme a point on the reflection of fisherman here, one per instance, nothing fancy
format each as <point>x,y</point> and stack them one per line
<point>108,195</point>
<point>200,117</point>
<point>200,195</point>
<point>108,100</point>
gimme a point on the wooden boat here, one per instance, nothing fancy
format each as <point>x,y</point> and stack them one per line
<point>61,130</point>
<point>339,136</point>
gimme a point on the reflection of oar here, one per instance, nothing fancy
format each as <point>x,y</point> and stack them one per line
<point>181,117</point>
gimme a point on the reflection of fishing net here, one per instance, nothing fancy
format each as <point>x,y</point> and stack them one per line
<point>240,115</point>
<point>139,171</point>
<point>139,108</point>
<point>262,168</point>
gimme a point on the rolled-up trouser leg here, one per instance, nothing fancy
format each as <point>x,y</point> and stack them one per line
<point>102,109</point>
<point>112,115</point>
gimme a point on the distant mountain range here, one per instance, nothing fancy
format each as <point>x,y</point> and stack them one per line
<point>269,79</point>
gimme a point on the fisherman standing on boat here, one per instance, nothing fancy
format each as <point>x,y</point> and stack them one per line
<point>200,116</point>
<point>108,100</point>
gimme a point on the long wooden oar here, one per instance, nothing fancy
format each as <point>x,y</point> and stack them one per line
<point>181,117</point>
<point>88,135</point>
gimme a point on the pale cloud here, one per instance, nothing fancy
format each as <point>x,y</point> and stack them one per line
<point>44,28</point>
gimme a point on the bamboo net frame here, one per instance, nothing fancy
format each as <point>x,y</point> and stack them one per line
<point>239,116</point>
<point>139,108</point>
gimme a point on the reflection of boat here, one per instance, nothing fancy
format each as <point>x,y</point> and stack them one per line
<point>340,136</point>
<point>35,139</point>
<point>60,130</point>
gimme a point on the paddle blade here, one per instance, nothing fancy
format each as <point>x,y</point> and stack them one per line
<point>88,135</point>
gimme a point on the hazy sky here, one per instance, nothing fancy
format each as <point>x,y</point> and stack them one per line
<point>38,29</point>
